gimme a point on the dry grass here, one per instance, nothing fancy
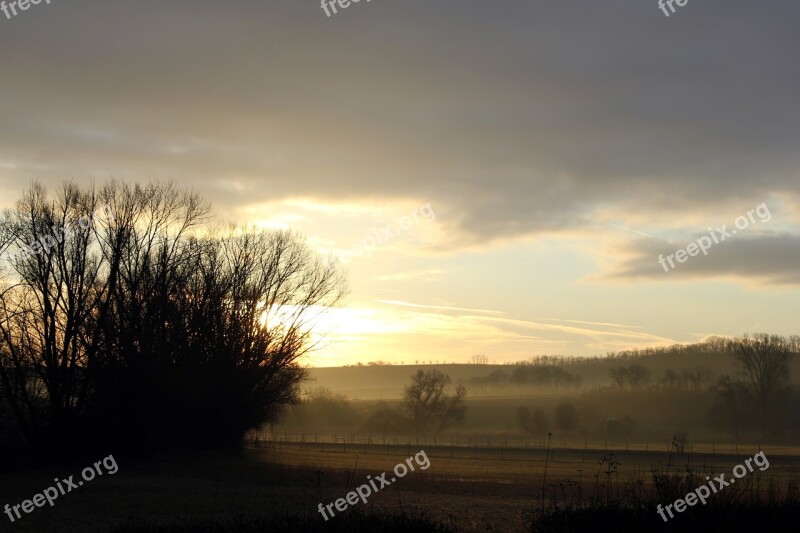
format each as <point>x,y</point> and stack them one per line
<point>257,486</point>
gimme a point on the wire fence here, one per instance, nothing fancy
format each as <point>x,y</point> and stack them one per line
<point>496,446</point>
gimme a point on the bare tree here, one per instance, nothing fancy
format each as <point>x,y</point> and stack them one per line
<point>638,375</point>
<point>733,410</point>
<point>427,404</point>
<point>618,375</point>
<point>324,395</point>
<point>479,359</point>
<point>696,378</point>
<point>670,378</point>
<point>634,375</point>
<point>764,363</point>
<point>53,281</point>
<point>141,319</point>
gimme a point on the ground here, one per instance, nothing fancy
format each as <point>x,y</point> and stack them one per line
<point>468,489</point>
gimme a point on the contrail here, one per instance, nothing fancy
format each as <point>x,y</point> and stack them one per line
<point>632,230</point>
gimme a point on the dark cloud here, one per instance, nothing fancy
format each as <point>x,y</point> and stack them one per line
<point>771,260</point>
<point>513,118</point>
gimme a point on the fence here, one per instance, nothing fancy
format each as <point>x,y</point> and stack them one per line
<point>496,446</point>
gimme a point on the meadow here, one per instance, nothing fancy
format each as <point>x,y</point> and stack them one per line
<point>279,485</point>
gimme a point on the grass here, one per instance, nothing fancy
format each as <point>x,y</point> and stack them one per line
<point>278,489</point>
<point>614,518</point>
<point>356,521</point>
<point>753,501</point>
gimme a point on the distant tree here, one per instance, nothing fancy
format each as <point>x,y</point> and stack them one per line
<point>543,375</point>
<point>566,417</point>
<point>618,375</point>
<point>732,412</point>
<point>670,378</point>
<point>324,395</point>
<point>696,378</point>
<point>764,364</point>
<point>383,419</point>
<point>427,404</point>
<point>638,375</point>
<point>322,408</point>
<point>634,375</point>
<point>794,343</point>
<point>480,360</point>
<point>532,422</point>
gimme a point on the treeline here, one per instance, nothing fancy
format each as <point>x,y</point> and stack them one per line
<point>541,375</point>
<point>712,345</point>
<point>638,376</point>
<point>148,329</point>
<point>758,397</point>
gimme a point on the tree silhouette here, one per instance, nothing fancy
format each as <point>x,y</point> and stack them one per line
<point>764,364</point>
<point>142,332</point>
<point>427,404</point>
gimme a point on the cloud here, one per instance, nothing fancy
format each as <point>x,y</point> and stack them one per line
<point>430,274</point>
<point>438,307</point>
<point>514,120</point>
<point>767,259</point>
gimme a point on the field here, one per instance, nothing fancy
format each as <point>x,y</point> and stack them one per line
<point>468,489</point>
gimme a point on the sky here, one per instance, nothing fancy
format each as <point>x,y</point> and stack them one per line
<point>515,169</point>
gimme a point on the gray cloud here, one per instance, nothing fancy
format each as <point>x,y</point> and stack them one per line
<point>513,118</point>
<point>771,259</point>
